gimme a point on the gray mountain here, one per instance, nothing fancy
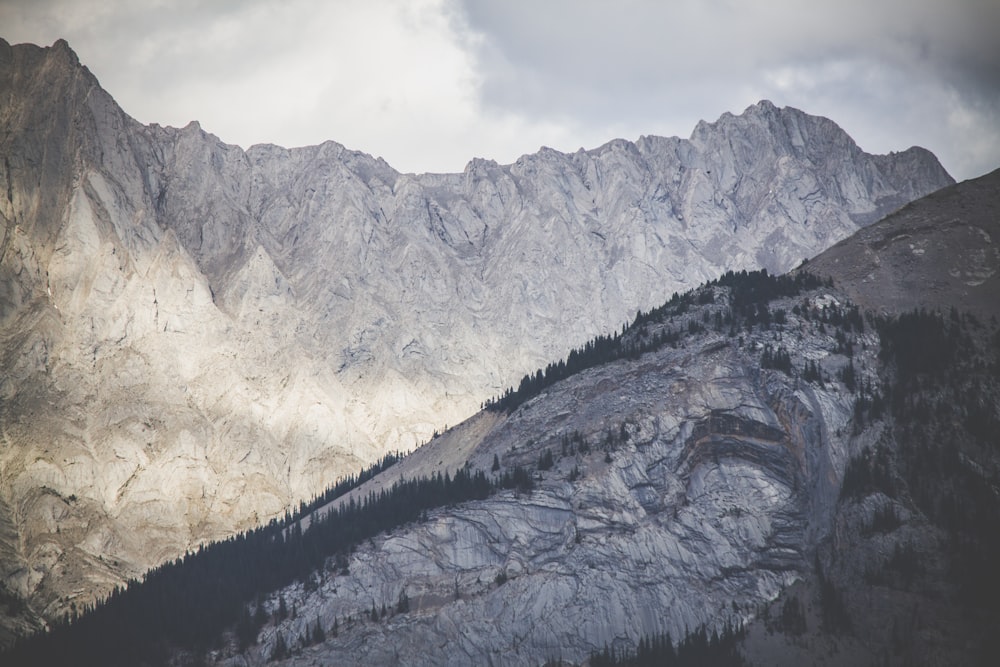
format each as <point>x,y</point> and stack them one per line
<point>195,336</point>
<point>940,252</point>
<point>824,479</point>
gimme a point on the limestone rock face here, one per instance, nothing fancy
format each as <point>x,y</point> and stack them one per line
<point>707,485</point>
<point>194,336</point>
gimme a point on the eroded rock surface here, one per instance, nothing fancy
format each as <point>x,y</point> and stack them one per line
<point>193,336</point>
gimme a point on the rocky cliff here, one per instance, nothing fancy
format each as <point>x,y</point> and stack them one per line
<point>689,487</point>
<point>823,479</point>
<point>195,336</point>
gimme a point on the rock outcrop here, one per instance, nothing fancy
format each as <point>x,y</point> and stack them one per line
<point>841,505</point>
<point>195,336</point>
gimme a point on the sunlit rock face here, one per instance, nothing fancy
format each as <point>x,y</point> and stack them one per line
<point>195,336</point>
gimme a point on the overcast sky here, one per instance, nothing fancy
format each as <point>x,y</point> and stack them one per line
<point>430,84</point>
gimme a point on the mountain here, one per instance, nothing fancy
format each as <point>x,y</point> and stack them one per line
<point>756,469</point>
<point>195,336</point>
<point>760,453</point>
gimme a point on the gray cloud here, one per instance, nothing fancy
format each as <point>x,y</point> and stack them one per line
<point>428,84</point>
<point>894,73</point>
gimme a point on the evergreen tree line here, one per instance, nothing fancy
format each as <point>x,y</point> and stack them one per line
<point>597,352</point>
<point>749,294</point>
<point>944,401</point>
<point>189,603</point>
<point>836,618</point>
<point>345,485</point>
<point>848,318</point>
<point>696,650</point>
<point>868,472</point>
<point>760,287</point>
<point>778,359</point>
<point>919,345</point>
<point>843,319</point>
<point>314,634</point>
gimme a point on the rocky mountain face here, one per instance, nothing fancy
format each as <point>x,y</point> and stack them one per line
<point>824,479</point>
<point>195,336</point>
<point>688,488</point>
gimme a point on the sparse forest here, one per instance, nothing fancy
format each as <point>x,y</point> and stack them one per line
<point>939,404</point>
<point>750,292</point>
<point>698,648</point>
<point>188,603</point>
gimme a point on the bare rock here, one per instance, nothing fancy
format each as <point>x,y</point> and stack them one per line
<point>194,337</point>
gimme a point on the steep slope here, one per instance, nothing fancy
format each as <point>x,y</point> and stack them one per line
<point>196,336</point>
<point>864,467</point>
<point>706,484</point>
<point>757,453</point>
<point>687,488</point>
<point>939,252</point>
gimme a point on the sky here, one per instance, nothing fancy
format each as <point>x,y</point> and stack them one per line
<point>429,84</point>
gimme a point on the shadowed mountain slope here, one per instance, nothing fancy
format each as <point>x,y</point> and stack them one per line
<point>939,252</point>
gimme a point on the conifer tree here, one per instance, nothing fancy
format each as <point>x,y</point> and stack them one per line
<point>403,605</point>
<point>280,650</point>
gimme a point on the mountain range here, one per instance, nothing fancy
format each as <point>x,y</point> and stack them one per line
<point>758,469</point>
<point>196,336</point>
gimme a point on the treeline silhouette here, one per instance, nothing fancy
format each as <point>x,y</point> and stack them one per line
<point>345,485</point>
<point>697,649</point>
<point>758,287</point>
<point>750,292</point>
<point>189,603</point>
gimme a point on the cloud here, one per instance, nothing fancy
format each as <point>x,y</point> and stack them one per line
<point>429,84</point>
<point>381,77</point>
<point>893,73</point>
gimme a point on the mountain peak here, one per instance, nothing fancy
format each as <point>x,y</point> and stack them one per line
<point>764,110</point>
<point>62,50</point>
<point>763,105</point>
<point>62,46</point>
